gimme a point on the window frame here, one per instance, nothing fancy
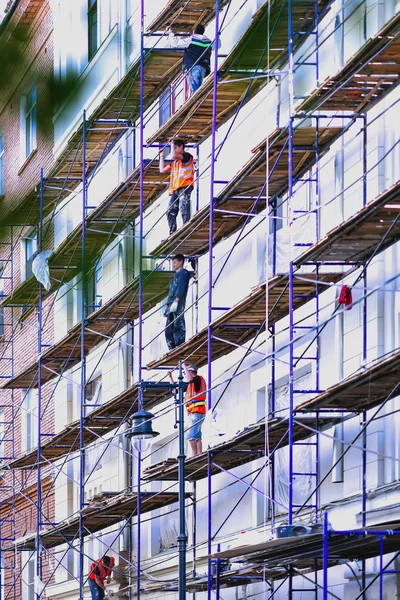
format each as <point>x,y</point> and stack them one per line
<point>92,25</point>
<point>28,123</point>
<point>1,162</point>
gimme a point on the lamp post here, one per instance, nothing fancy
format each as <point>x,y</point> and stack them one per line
<point>141,436</point>
<point>182,537</point>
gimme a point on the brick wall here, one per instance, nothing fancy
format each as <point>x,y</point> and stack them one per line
<point>31,25</point>
<point>34,48</point>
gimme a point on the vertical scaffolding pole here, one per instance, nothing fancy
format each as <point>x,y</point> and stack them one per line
<point>82,455</point>
<point>291,307</point>
<point>210,283</point>
<point>39,400</point>
<point>140,332</point>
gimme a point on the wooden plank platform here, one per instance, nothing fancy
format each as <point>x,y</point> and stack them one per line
<point>101,324</point>
<point>97,516</point>
<point>363,390</point>
<point>227,579</point>
<point>241,194</point>
<point>245,447</point>
<point>109,219</point>
<point>242,322</point>
<point>184,15</point>
<point>358,238</point>
<point>366,78</point>
<point>106,125</point>
<point>302,551</point>
<point>98,423</point>
<point>193,121</point>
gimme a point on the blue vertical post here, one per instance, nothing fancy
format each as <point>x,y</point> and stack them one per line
<point>210,280</point>
<point>291,306</point>
<point>140,332</point>
<point>39,398</point>
<point>365,355</point>
<point>325,557</point>
<point>83,364</point>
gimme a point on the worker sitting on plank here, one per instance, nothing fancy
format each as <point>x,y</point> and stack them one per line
<point>196,57</point>
<point>180,184</point>
<point>99,573</point>
<point>175,329</point>
<point>196,404</point>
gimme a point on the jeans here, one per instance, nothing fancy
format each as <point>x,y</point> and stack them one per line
<point>95,590</point>
<point>195,423</point>
<point>179,201</point>
<point>196,76</point>
<point>175,329</point>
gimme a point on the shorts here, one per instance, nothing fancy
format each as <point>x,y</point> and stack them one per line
<point>195,423</point>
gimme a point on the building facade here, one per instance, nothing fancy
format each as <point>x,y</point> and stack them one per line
<point>292,311</point>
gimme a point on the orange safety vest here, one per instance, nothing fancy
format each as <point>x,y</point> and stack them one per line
<point>105,570</point>
<point>196,401</point>
<point>181,175</point>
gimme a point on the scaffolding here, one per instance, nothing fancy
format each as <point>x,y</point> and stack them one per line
<point>285,161</point>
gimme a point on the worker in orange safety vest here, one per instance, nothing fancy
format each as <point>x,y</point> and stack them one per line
<point>196,404</point>
<point>181,182</point>
<point>99,573</point>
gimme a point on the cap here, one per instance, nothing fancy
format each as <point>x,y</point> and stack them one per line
<point>192,368</point>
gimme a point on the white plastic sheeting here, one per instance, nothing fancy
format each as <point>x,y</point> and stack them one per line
<point>40,268</point>
<point>302,457</point>
<point>301,232</point>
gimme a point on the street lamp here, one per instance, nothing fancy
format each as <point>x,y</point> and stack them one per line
<point>141,435</point>
<point>142,432</point>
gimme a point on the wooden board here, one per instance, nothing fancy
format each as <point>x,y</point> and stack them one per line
<point>246,192</point>
<point>193,121</point>
<point>109,219</point>
<point>98,422</point>
<point>242,322</point>
<point>363,390</point>
<point>302,551</point>
<point>97,517</point>
<point>370,231</point>
<point>366,78</point>
<point>245,447</point>
<point>183,15</point>
<point>106,125</point>
<point>101,325</point>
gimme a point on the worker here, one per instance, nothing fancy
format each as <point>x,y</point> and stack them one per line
<point>196,404</point>
<point>175,330</point>
<point>99,574</point>
<point>196,57</point>
<point>181,183</point>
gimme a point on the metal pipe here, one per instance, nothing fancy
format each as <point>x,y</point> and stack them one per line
<point>39,399</point>
<point>182,537</point>
<point>140,315</point>
<point>210,285</point>
<point>82,412</point>
<point>325,558</point>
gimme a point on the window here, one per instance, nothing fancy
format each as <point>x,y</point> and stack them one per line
<point>28,253</point>
<point>2,434</point>
<point>92,28</point>
<point>93,391</point>
<point>28,579</point>
<point>30,416</point>
<point>1,164</point>
<point>164,107</point>
<point>2,296</point>
<point>28,123</point>
<point>94,295</point>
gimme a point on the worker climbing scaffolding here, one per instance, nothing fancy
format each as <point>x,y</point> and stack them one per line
<point>181,183</point>
<point>175,329</point>
<point>196,405</point>
<point>99,574</point>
